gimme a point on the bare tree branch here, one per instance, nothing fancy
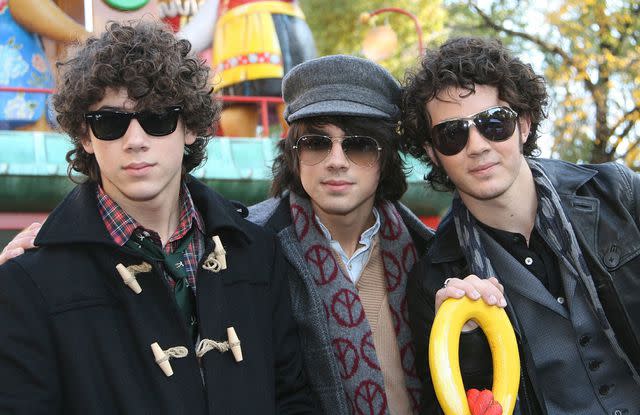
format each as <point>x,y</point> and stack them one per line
<point>631,148</point>
<point>624,118</point>
<point>620,137</point>
<point>591,72</point>
<point>523,35</point>
<point>553,49</point>
<point>624,31</point>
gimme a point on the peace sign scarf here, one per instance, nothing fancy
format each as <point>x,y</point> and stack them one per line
<point>351,334</point>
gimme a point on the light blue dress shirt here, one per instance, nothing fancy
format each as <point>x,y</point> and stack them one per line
<point>360,257</point>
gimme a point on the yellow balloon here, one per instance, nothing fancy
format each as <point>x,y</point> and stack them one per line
<point>444,354</point>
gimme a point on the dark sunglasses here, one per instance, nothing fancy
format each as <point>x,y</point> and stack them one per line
<point>495,124</point>
<point>112,124</point>
<point>359,149</point>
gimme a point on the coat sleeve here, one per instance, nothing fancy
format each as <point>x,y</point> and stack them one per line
<point>421,315</point>
<point>292,390</point>
<point>628,182</point>
<point>635,195</point>
<point>29,376</point>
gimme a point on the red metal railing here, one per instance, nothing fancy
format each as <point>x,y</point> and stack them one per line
<point>25,89</point>
<point>19,220</point>
<point>262,102</point>
<point>413,17</point>
<point>264,107</point>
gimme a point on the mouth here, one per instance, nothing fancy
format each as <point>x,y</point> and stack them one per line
<point>483,168</point>
<point>337,184</point>
<point>138,168</point>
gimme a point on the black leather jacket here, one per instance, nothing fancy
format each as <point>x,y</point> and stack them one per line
<point>603,204</point>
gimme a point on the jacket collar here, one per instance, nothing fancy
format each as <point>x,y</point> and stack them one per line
<point>421,234</point>
<point>566,179</point>
<point>445,247</point>
<point>77,220</point>
<point>217,211</point>
<point>278,216</point>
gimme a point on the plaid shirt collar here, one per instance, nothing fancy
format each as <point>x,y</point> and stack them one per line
<point>121,225</point>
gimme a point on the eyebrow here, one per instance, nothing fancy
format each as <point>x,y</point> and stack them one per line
<point>112,108</point>
<point>470,117</point>
<point>316,130</point>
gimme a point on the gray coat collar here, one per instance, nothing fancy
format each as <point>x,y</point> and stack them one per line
<point>566,178</point>
<point>307,306</point>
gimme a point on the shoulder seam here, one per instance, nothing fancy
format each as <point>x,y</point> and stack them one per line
<point>626,181</point>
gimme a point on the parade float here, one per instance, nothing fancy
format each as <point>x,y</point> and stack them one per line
<point>248,65</point>
<point>34,34</point>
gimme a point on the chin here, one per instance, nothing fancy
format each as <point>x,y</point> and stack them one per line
<point>141,193</point>
<point>485,194</point>
<point>141,196</point>
<point>336,209</point>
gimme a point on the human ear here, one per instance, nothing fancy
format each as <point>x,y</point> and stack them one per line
<point>87,144</point>
<point>189,137</point>
<point>524,123</point>
<point>431,153</point>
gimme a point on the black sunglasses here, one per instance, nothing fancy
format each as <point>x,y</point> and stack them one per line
<point>495,124</point>
<point>112,124</point>
<point>359,149</point>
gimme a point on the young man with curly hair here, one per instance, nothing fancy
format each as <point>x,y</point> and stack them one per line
<point>149,292</point>
<point>337,181</point>
<point>563,239</point>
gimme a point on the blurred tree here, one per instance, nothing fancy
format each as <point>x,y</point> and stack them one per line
<point>337,28</point>
<point>590,56</point>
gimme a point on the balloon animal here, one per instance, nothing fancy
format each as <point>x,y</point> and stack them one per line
<point>24,63</point>
<point>444,347</point>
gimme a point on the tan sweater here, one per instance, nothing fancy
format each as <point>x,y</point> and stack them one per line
<point>372,288</point>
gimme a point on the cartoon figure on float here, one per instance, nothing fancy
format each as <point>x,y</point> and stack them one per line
<point>177,13</point>
<point>24,63</point>
<point>254,44</point>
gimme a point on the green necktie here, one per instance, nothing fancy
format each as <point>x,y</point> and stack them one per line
<point>177,271</point>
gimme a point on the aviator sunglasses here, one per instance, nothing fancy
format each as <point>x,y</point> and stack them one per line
<point>495,124</point>
<point>111,124</point>
<point>359,149</point>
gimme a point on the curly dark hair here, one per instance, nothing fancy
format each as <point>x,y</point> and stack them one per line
<point>463,63</point>
<point>155,68</point>
<point>393,182</point>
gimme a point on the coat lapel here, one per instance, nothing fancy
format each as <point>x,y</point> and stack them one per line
<point>278,219</point>
<point>295,256</point>
<point>583,214</point>
<point>517,278</point>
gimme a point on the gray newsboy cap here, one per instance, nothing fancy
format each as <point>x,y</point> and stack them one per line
<point>340,85</point>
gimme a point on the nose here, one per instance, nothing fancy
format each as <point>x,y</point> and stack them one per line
<point>135,138</point>
<point>476,143</point>
<point>336,158</point>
